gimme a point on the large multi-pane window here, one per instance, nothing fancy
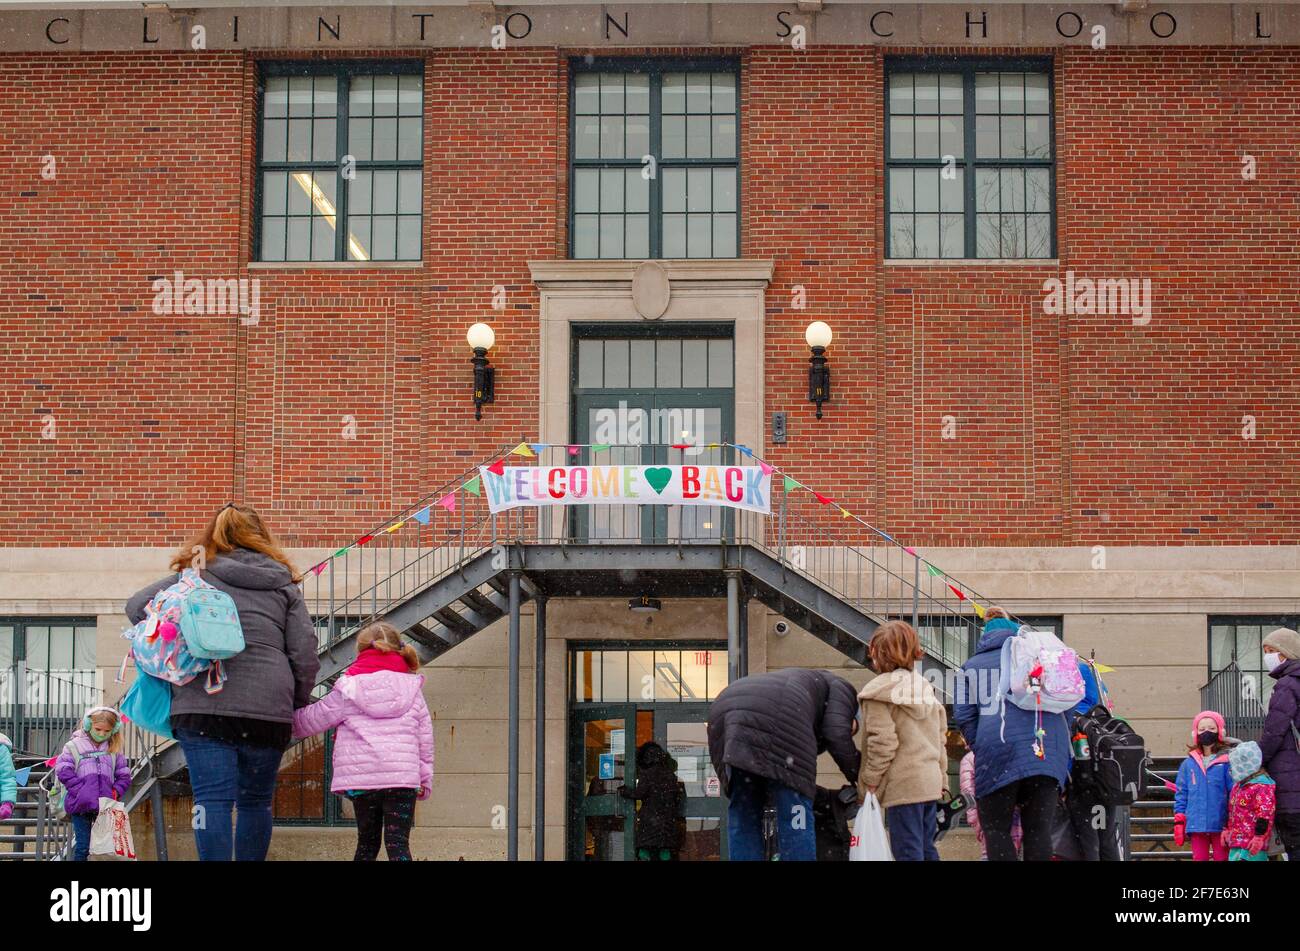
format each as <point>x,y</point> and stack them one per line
<point>969,159</point>
<point>1240,639</point>
<point>340,162</point>
<point>654,159</point>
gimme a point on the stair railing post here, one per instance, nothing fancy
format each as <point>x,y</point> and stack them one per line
<point>159,820</point>
<point>41,803</point>
<point>785,498</point>
<point>512,769</point>
<point>733,627</point>
<point>539,731</point>
<point>916,593</point>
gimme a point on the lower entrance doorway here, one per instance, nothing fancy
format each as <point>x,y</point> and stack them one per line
<point>623,697</point>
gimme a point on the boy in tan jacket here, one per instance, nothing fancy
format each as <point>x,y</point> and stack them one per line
<point>904,762</point>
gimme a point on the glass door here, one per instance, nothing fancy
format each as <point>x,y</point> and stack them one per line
<point>602,759</point>
<point>683,732</point>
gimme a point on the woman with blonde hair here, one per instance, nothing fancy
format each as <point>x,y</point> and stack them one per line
<point>383,751</point>
<point>233,739</point>
<point>91,767</point>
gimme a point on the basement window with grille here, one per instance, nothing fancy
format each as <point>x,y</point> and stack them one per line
<point>340,161</point>
<point>970,167</point>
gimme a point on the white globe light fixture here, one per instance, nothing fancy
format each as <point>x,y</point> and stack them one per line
<point>818,335</point>
<point>481,337</point>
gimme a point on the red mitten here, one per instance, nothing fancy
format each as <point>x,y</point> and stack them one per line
<point>1180,829</point>
<point>6,810</point>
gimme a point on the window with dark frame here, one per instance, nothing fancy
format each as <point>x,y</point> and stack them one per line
<point>340,161</point>
<point>654,159</point>
<point>970,159</point>
<point>1240,639</point>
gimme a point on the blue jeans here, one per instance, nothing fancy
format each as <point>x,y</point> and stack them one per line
<point>227,776</point>
<point>796,836</point>
<point>81,823</point>
<point>911,831</point>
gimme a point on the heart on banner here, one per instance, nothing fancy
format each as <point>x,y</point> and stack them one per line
<point>658,478</point>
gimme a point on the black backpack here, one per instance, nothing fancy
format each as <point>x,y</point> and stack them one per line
<point>1115,772</point>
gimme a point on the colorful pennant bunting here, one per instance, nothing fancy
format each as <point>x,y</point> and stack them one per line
<point>422,516</point>
<point>364,539</point>
<point>957,591</point>
<point>910,551</point>
<point>537,447</point>
<point>339,552</point>
<point>599,447</point>
<point>979,610</point>
<point>522,450</point>
<point>498,467</point>
<point>824,500</point>
<point>574,450</point>
<point>474,486</point>
<point>395,526</point>
<point>932,571</point>
<point>1102,668</point>
<point>746,450</point>
<point>766,469</point>
<point>680,445</point>
<point>448,501</point>
<point>791,484</point>
<point>22,775</point>
<point>317,569</point>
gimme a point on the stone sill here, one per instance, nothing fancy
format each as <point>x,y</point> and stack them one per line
<point>334,265</point>
<point>972,262</point>
<point>608,271</point>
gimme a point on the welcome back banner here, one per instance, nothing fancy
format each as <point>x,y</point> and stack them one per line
<point>741,487</point>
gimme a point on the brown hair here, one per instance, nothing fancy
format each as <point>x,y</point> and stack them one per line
<point>382,636</point>
<point>235,526</point>
<point>996,611</point>
<point>895,645</point>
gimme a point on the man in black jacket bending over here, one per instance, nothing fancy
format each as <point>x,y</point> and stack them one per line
<point>765,734</point>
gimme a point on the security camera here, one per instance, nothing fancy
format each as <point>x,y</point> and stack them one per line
<point>782,629</point>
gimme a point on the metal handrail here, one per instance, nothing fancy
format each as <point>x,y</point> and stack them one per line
<point>1238,696</point>
<point>875,573</point>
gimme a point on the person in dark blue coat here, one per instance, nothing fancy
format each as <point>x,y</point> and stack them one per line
<point>1008,771</point>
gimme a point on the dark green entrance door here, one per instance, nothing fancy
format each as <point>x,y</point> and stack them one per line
<point>639,391</point>
<point>623,695</point>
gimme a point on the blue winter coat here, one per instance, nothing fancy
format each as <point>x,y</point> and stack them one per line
<point>1004,752</point>
<point>1091,690</point>
<point>1203,792</point>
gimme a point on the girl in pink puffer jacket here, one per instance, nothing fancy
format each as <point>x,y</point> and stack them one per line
<point>383,751</point>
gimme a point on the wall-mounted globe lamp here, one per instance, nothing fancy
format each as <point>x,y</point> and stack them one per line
<point>818,336</point>
<point>481,337</point>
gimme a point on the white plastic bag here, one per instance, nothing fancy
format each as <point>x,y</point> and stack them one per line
<point>110,836</point>
<point>870,842</point>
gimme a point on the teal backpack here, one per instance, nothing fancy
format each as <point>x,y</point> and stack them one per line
<point>209,622</point>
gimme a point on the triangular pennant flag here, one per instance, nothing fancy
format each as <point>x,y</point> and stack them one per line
<point>910,551</point>
<point>51,761</point>
<point>340,551</point>
<point>574,450</point>
<point>422,516</point>
<point>746,450</point>
<point>599,446</point>
<point>1102,668</point>
<point>521,450</point>
<point>364,539</point>
<point>791,484</point>
<point>395,526</point>
<point>957,591</point>
<point>22,775</point>
<point>767,470</point>
<point>844,512</point>
<point>537,447</point>
<point>448,501</point>
<point>979,609</point>
<point>498,467</point>
<point>317,569</point>
<point>824,500</point>
<point>474,486</point>
<point>933,571</point>
<point>680,445</point>
<point>713,445</point>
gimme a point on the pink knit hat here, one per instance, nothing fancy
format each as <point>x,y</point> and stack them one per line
<point>1218,722</point>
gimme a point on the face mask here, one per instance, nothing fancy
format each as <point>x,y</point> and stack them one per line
<point>97,736</point>
<point>1272,661</point>
<point>1207,737</point>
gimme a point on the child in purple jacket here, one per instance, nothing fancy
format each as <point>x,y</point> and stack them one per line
<point>92,766</point>
<point>383,751</point>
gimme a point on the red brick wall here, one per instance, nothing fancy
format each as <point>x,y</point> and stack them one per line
<point>1070,429</point>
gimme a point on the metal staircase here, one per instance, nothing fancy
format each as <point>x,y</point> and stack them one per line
<point>33,833</point>
<point>442,573</point>
<point>1151,817</point>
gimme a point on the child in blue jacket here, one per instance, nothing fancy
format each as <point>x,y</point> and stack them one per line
<point>1204,785</point>
<point>8,779</point>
